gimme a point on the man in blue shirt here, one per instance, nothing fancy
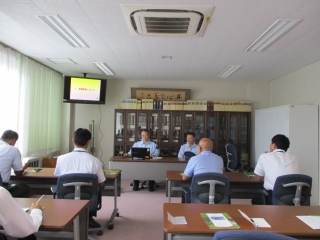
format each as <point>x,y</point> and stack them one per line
<point>190,146</point>
<point>154,152</point>
<point>206,161</point>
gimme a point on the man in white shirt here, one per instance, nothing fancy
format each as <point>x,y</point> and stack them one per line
<point>79,161</point>
<point>276,163</point>
<point>15,221</point>
<point>190,146</point>
<point>10,157</point>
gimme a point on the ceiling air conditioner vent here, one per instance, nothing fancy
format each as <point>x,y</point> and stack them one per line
<point>167,21</point>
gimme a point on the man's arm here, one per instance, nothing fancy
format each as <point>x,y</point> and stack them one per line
<point>181,151</point>
<point>19,173</point>
<point>261,178</point>
<point>185,177</point>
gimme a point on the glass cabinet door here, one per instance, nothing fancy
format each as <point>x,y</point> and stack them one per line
<point>119,122</point>
<point>233,127</point>
<point>244,128</point>
<point>187,124</point>
<point>176,128</point>
<point>199,126</point>
<point>131,127</point>
<point>142,123</point>
<point>210,123</point>
<point>222,127</point>
<point>165,127</point>
<point>153,125</point>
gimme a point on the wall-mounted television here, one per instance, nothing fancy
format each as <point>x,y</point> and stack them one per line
<point>84,90</point>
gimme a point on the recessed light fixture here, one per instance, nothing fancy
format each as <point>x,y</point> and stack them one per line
<point>275,31</point>
<point>103,67</point>
<point>166,57</point>
<point>64,30</point>
<point>229,70</point>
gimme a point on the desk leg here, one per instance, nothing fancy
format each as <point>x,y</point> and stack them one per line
<point>115,210</point>
<point>80,225</point>
<point>167,236</point>
<point>169,191</point>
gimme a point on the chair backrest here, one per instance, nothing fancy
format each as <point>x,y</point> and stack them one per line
<point>210,188</point>
<point>249,235</point>
<point>188,154</point>
<point>1,183</point>
<point>292,189</point>
<point>79,186</point>
<point>232,156</point>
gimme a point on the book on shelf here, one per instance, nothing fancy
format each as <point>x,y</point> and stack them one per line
<point>138,104</point>
<point>143,103</point>
<point>219,220</point>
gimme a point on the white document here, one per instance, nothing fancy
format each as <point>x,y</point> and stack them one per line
<point>257,222</point>
<point>156,158</point>
<point>311,221</point>
<point>176,220</point>
<point>219,220</point>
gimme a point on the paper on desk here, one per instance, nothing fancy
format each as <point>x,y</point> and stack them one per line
<point>156,158</point>
<point>311,221</point>
<point>219,220</point>
<point>176,220</point>
<point>257,222</point>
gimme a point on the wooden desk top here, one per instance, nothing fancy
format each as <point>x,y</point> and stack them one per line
<point>57,213</point>
<point>233,176</point>
<point>162,160</point>
<point>282,219</point>
<point>48,173</point>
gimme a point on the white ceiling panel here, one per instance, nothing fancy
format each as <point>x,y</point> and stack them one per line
<point>233,26</point>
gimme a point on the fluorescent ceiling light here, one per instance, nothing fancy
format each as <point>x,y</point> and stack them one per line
<point>229,70</point>
<point>277,29</point>
<point>64,30</point>
<point>103,67</point>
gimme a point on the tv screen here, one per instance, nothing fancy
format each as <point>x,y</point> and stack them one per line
<point>84,90</point>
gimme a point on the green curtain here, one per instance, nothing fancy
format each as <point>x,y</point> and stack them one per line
<point>37,106</point>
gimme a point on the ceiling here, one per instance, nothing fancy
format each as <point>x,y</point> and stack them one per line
<point>233,26</point>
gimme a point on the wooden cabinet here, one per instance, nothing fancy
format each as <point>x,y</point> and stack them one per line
<point>168,130</point>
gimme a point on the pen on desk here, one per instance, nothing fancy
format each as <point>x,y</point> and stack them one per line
<point>256,225</point>
<point>39,199</point>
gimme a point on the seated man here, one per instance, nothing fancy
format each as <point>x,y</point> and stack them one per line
<point>206,161</point>
<point>190,146</point>
<point>15,221</point>
<point>154,152</point>
<point>10,157</point>
<point>274,164</point>
<point>79,161</point>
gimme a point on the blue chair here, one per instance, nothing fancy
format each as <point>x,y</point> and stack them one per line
<point>249,235</point>
<point>292,189</point>
<point>188,155</point>
<point>232,156</point>
<point>209,188</point>
<point>80,186</point>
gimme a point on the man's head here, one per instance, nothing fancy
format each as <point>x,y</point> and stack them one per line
<point>81,137</point>
<point>10,137</point>
<point>279,141</point>
<point>205,144</point>
<point>145,135</point>
<point>190,138</point>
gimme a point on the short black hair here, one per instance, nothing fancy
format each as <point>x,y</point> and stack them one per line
<point>144,130</point>
<point>81,136</point>
<point>9,135</point>
<point>190,133</point>
<point>281,141</point>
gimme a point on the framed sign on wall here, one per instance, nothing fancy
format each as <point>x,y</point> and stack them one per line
<point>161,94</point>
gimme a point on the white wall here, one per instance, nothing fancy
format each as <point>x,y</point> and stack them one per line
<point>258,93</point>
<point>299,87</point>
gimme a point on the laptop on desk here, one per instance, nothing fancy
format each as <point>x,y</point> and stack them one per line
<point>140,153</point>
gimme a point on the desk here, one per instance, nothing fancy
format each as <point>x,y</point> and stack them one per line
<point>242,186</point>
<point>146,169</point>
<point>40,183</point>
<point>282,219</point>
<point>58,215</point>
